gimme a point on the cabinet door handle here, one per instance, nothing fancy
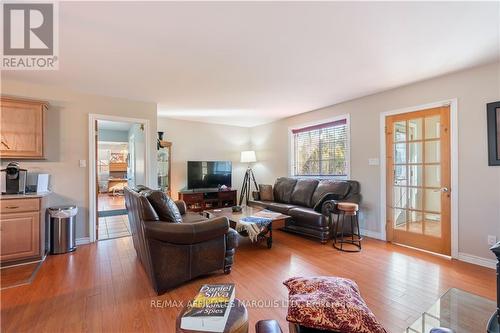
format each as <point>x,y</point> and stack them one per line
<point>12,207</point>
<point>5,144</point>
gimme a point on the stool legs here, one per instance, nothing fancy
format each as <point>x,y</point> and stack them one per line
<point>356,238</point>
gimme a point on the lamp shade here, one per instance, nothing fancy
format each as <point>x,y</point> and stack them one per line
<point>248,156</point>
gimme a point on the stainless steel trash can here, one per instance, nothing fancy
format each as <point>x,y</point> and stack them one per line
<point>62,229</point>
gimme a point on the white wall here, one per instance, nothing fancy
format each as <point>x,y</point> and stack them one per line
<point>67,139</point>
<point>113,135</point>
<point>195,141</point>
<point>479,184</point>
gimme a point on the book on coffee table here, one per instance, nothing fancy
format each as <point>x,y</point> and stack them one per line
<point>210,308</point>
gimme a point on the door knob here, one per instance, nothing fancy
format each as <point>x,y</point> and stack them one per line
<point>445,189</point>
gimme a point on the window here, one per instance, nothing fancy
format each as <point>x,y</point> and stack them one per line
<point>321,149</point>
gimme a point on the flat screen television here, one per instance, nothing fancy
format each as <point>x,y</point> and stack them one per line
<point>208,174</point>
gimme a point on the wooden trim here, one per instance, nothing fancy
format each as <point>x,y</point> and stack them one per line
<point>23,100</point>
<point>422,240</point>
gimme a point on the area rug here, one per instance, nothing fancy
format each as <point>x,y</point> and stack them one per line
<point>108,213</point>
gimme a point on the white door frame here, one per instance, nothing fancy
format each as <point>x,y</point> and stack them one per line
<point>453,103</point>
<point>92,161</point>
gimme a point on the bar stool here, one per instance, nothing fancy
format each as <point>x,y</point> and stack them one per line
<point>349,210</point>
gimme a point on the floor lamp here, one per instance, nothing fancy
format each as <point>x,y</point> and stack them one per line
<point>248,157</point>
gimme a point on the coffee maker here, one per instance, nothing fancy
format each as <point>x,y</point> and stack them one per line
<point>13,179</point>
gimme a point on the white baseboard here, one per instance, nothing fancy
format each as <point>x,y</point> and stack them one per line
<point>372,234</point>
<point>83,240</point>
<point>472,259</point>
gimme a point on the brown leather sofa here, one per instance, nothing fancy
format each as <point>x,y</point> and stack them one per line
<point>172,253</point>
<point>310,203</point>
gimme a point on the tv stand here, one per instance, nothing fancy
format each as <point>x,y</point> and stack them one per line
<point>198,200</point>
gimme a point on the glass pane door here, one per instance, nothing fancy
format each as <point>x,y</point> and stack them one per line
<point>418,178</point>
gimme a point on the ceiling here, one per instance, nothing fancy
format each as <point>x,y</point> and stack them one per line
<point>248,63</point>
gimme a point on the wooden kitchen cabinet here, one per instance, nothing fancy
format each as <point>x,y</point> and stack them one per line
<point>22,229</point>
<point>19,235</point>
<point>22,128</point>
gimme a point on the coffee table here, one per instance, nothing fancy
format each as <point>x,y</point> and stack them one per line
<point>233,217</point>
<point>456,309</point>
<point>237,322</point>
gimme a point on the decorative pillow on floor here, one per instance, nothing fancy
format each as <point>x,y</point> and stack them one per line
<point>329,303</point>
<point>266,192</point>
<point>165,207</point>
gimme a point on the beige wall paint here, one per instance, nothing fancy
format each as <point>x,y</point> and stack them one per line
<point>479,184</point>
<point>67,139</point>
<point>197,141</point>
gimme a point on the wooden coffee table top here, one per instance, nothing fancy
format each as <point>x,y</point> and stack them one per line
<point>237,322</point>
<point>245,212</point>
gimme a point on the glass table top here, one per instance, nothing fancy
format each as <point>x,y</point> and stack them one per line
<point>456,309</point>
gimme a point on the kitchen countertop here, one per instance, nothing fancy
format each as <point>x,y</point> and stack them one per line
<point>25,196</point>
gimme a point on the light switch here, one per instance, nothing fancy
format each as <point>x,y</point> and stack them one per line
<point>83,163</point>
<point>373,161</point>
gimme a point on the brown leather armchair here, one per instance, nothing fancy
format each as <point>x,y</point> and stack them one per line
<point>173,253</point>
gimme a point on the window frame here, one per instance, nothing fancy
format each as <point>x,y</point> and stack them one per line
<point>291,147</point>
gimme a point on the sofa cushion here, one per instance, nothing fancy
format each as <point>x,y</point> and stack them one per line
<point>307,217</point>
<point>303,191</point>
<point>329,190</point>
<point>280,207</point>
<point>164,206</point>
<point>266,192</point>
<point>329,303</point>
<point>283,189</point>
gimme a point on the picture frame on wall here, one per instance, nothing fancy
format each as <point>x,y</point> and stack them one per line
<point>493,116</point>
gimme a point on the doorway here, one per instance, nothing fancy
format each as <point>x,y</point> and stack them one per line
<point>418,179</point>
<point>118,159</point>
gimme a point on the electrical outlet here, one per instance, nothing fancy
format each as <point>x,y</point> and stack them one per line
<point>492,240</point>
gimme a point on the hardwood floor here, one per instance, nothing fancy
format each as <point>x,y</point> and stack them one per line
<point>102,288</point>
<point>110,202</point>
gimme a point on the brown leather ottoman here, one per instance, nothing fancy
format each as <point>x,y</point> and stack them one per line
<point>237,322</point>
<point>267,326</point>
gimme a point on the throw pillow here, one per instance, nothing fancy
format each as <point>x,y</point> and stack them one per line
<point>165,207</point>
<point>329,303</point>
<point>266,192</point>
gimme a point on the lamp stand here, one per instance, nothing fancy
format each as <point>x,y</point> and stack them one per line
<point>247,185</point>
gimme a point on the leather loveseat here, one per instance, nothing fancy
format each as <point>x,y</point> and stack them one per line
<point>175,252</point>
<point>310,203</point>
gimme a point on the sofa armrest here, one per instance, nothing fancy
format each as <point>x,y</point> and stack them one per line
<point>232,239</point>
<point>329,207</point>
<point>181,205</point>
<point>354,198</point>
<point>187,233</point>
